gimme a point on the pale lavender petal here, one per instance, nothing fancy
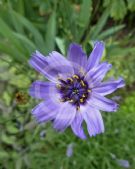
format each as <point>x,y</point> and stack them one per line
<point>116,98</point>
<point>108,87</point>
<point>93,120</point>
<point>69,151</point>
<point>52,66</point>
<point>39,63</point>
<point>46,111</point>
<point>102,103</point>
<point>65,116</point>
<point>95,55</point>
<point>77,126</point>
<point>96,75</point>
<point>78,58</point>
<point>43,90</point>
<point>123,163</point>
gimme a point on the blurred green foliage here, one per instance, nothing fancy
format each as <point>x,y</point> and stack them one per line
<point>48,25</point>
<point>119,8</point>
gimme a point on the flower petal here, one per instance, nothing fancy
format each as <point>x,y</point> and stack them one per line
<point>94,121</point>
<point>96,75</point>
<point>77,126</point>
<point>78,58</point>
<point>69,151</point>
<point>102,103</point>
<point>45,111</point>
<point>108,87</point>
<point>64,117</point>
<point>52,66</point>
<point>95,55</point>
<point>43,90</point>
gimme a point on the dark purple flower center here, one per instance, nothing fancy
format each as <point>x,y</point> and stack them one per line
<point>74,90</point>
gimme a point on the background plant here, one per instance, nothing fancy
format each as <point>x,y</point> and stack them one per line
<point>47,25</point>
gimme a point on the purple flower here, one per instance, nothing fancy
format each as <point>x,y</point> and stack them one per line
<point>75,92</point>
<point>69,151</point>
<point>123,163</point>
<point>120,162</point>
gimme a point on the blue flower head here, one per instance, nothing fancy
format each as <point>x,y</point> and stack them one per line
<point>75,91</point>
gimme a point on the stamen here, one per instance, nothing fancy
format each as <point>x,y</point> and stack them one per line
<point>81,100</point>
<point>61,100</point>
<point>58,86</point>
<point>70,79</point>
<point>82,83</point>
<point>83,95</point>
<point>74,90</point>
<point>71,101</point>
<point>75,76</point>
<point>62,81</point>
<point>89,90</point>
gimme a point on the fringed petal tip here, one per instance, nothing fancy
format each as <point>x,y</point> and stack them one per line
<point>95,56</point>
<point>99,43</point>
<point>77,127</point>
<point>116,107</point>
<point>34,55</point>
<point>102,103</point>
<point>31,88</point>
<point>60,130</point>
<point>96,133</point>
<point>108,65</point>
<point>121,82</point>
<point>93,121</point>
<point>76,47</point>
<point>77,57</point>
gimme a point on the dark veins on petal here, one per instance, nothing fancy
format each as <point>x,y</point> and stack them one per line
<point>74,90</point>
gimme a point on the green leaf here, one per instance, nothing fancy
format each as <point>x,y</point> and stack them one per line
<point>106,3</point>
<point>84,16</point>
<point>110,31</point>
<point>131,5</point>
<point>19,163</point>
<point>20,6</point>
<point>17,81</point>
<point>3,154</point>
<point>61,45</point>
<point>7,139</point>
<point>11,51</point>
<point>7,98</point>
<point>69,23</point>
<point>11,129</point>
<point>118,9</point>
<point>12,19</point>
<point>30,27</point>
<point>85,12</point>
<point>50,33</point>
<point>118,51</point>
<point>29,45</point>
<point>8,33</point>
<point>99,26</point>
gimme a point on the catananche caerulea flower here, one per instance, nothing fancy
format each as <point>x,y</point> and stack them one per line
<point>75,91</point>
